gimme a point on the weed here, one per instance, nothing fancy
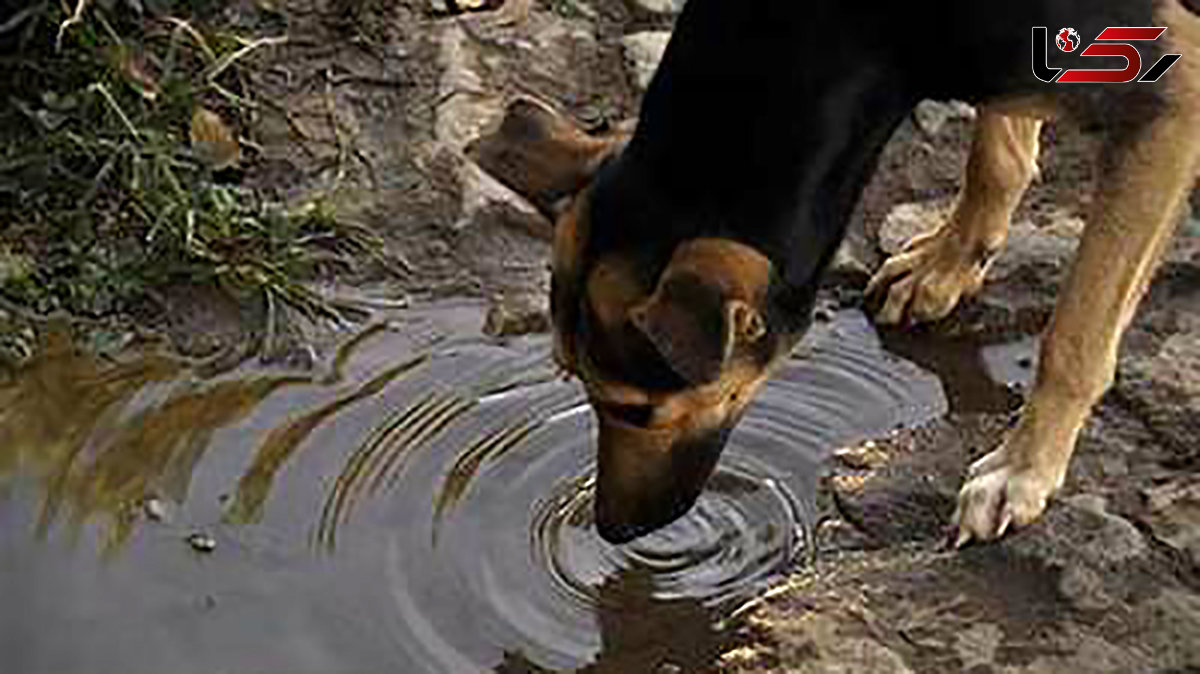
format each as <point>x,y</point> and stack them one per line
<point>119,156</point>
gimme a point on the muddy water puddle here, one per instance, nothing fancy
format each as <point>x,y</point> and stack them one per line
<point>422,503</point>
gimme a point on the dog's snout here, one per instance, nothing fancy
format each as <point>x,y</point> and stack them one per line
<point>649,478</point>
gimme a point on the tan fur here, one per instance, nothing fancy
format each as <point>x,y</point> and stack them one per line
<point>542,155</point>
<point>733,277</point>
<point>1138,209</point>
<point>570,233</point>
<point>943,266</point>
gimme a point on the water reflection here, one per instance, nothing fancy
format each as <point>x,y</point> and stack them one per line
<point>70,421</point>
<point>283,441</point>
<point>445,481</point>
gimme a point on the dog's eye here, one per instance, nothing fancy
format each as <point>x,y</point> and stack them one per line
<point>634,415</point>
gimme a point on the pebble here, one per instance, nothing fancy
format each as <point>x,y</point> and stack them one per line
<point>643,51</point>
<point>155,509</point>
<point>202,542</point>
<point>657,6</point>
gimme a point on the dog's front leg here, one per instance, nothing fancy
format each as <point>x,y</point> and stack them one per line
<point>942,266</point>
<point>1135,217</point>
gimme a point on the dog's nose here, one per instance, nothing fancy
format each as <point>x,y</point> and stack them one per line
<point>618,533</point>
<point>648,479</point>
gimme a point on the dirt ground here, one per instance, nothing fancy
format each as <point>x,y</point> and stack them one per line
<point>381,99</point>
<point>1108,581</point>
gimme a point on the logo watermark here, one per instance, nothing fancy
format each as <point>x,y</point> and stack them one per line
<point>1112,41</point>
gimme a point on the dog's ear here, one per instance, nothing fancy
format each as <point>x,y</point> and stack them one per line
<point>706,304</point>
<point>542,155</point>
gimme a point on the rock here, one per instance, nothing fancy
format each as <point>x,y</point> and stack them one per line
<point>1050,247</point>
<point>838,534</point>
<point>832,643</point>
<point>1097,557</point>
<point>155,509</point>
<point>467,107</point>
<point>1087,530</point>
<point>1174,516</point>
<point>202,542</point>
<point>864,456</point>
<point>976,645</point>
<point>513,316</point>
<point>1164,392</point>
<point>906,221</point>
<point>486,199</point>
<point>658,6</point>
<point>932,116</point>
<point>848,267</point>
<point>903,495</point>
<point>643,51</point>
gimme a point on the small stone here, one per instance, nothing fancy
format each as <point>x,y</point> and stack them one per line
<point>656,6</point>
<point>848,484</point>
<point>643,51</point>
<point>669,668</point>
<point>848,267</point>
<point>155,509</point>
<point>908,220</point>
<point>515,317</point>
<point>931,116</point>
<point>865,456</point>
<point>202,542</point>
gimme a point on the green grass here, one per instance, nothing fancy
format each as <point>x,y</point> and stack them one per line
<point>103,199</point>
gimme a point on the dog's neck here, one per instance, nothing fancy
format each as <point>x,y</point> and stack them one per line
<point>751,142</point>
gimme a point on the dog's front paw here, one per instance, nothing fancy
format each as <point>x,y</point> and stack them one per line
<point>1001,493</point>
<point>927,280</point>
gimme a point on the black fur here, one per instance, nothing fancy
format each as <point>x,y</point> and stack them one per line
<point>765,119</point>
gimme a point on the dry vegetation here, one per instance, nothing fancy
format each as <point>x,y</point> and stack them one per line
<point>122,141</point>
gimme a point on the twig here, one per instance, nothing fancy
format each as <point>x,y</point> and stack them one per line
<point>331,111</point>
<point>112,102</point>
<point>222,64</point>
<point>184,26</point>
<point>75,18</point>
<point>238,101</point>
<point>102,174</point>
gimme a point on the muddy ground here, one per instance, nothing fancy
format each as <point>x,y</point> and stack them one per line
<point>1110,579</point>
<point>382,99</point>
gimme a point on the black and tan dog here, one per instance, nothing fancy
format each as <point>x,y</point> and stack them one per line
<point>687,255</point>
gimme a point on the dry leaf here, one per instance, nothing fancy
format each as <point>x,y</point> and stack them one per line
<point>138,73</point>
<point>213,141</point>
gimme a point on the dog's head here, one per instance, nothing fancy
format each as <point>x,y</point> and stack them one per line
<point>671,342</point>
